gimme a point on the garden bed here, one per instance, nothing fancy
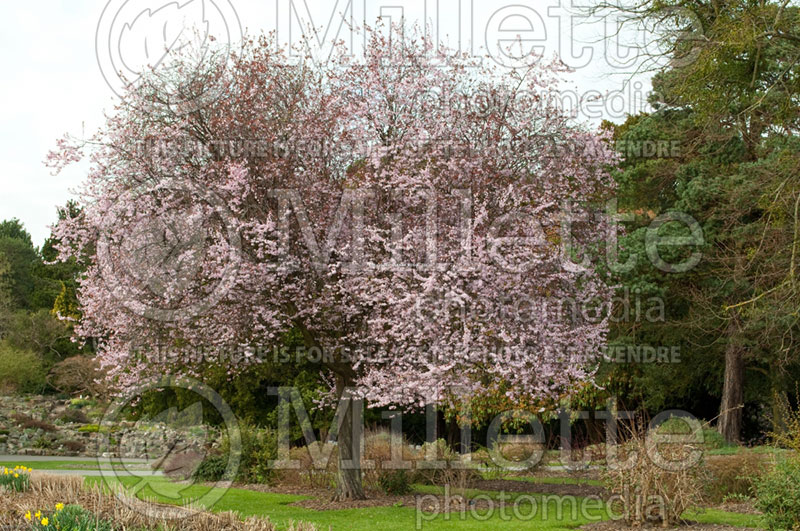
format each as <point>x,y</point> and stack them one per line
<point>46,495</point>
<point>693,526</point>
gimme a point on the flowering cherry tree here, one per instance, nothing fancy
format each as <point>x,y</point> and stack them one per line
<point>394,210</point>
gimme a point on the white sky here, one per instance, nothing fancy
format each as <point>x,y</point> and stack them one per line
<point>53,77</point>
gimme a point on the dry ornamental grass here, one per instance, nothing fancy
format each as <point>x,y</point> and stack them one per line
<point>46,491</point>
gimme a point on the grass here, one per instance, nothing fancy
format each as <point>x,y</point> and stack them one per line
<point>552,513</point>
<point>69,465</point>
<point>714,516</point>
<point>557,516</point>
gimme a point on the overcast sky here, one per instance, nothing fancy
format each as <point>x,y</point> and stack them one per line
<point>60,59</point>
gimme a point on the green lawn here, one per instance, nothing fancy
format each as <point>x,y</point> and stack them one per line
<point>713,516</point>
<point>557,515</point>
<point>69,465</point>
<point>550,512</point>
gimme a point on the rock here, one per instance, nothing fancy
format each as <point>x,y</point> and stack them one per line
<point>128,439</point>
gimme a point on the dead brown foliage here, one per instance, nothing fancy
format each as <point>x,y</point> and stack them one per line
<point>654,481</point>
<point>78,375</point>
<point>734,474</point>
<point>125,512</point>
<point>26,422</point>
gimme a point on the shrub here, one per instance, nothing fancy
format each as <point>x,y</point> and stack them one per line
<point>494,472</point>
<point>80,403</point>
<point>43,443</point>
<point>395,482</point>
<point>786,432</point>
<point>41,332</point>
<point>74,416</point>
<point>449,469</point>
<point>647,489</point>
<point>734,475</point>
<point>15,479</point>
<point>21,371</point>
<point>736,498</point>
<point>517,450</point>
<point>78,375</point>
<point>310,474</point>
<point>378,449</point>
<point>778,495</point>
<point>259,447</point>
<point>674,425</point>
<point>27,422</point>
<point>481,456</point>
<point>211,468</point>
<point>713,440</point>
<point>74,446</point>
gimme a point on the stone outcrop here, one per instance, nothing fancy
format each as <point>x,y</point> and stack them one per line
<point>39,425</point>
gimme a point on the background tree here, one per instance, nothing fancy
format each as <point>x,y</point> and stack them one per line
<point>22,260</point>
<point>31,334</point>
<point>729,95</point>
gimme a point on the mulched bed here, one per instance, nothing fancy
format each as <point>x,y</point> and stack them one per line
<point>427,502</point>
<point>746,507</point>
<point>689,526</point>
<point>326,504</point>
<point>510,485</point>
<point>320,499</point>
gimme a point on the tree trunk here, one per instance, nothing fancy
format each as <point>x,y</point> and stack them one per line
<point>349,485</point>
<point>730,416</point>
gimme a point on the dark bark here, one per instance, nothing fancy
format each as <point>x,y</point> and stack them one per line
<point>730,416</point>
<point>348,440</point>
<point>349,485</point>
<point>454,435</point>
